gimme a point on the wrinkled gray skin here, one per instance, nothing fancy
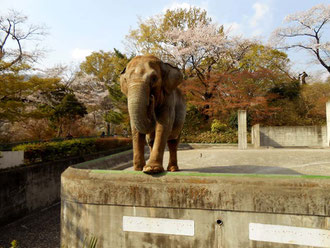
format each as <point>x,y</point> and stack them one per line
<point>156,108</point>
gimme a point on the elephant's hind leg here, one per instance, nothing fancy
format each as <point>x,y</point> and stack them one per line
<point>150,140</point>
<point>173,161</point>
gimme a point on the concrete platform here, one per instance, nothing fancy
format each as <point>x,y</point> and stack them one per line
<point>228,159</point>
<point>201,209</point>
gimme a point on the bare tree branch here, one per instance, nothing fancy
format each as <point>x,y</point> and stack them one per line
<point>14,26</point>
<point>315,20</point>
<point>296,35</point>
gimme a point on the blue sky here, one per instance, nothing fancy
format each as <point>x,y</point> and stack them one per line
<point>77,27</point>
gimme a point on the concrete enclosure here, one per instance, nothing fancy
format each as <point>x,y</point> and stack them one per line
<point>131,209</point>
<point>287,136</point>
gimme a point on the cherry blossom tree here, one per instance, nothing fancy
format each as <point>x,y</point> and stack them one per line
<point>305,30</point>
<point>198,47</point>
<point>94,95</point>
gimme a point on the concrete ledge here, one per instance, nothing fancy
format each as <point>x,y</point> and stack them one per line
<point>305,195</point>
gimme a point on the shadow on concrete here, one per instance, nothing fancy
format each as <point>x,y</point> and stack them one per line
<point>244,169</point>
<point>184,146</point>
<point>265,140</point>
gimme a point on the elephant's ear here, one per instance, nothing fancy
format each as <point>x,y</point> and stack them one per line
<point>171,77</point>
<point>123,82</point>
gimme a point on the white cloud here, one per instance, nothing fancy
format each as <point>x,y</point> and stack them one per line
<point>80,54</point>
<point>260,11</point>
<point>233,28</point>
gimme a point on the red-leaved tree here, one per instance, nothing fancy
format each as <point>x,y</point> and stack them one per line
<point>229,92</point>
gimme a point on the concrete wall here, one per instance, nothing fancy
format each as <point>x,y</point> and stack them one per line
<point>287,136</point>
<point>131,209</point>
<point>11,159</point>
<point>28,188</point>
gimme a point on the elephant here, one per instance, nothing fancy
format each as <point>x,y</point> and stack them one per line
<point>156,109</point>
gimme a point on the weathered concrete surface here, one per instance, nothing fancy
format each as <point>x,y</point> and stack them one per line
<point>248,190</point>
<point>242,129</point>
<point>95,201</point>
<point>255,135</point>
<point>208,234</point>
<point>228,159</point>
<point>286,136</point>
<point>10,159</point>
<point>287,194</point>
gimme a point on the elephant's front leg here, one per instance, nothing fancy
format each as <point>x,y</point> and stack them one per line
<point>155,163</point>
<point>138,149</point>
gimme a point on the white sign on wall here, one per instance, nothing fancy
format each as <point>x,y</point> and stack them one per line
<point>289,235</point>
<point>158,225</point>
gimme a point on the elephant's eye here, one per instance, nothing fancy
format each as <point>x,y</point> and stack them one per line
<point>153,79</point>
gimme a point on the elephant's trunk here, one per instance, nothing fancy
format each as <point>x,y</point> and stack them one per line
<point>141,108</point>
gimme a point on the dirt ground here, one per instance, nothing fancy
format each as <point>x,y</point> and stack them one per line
<point>42,229</point>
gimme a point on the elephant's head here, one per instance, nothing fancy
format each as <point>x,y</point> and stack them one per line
<point>146,81</point>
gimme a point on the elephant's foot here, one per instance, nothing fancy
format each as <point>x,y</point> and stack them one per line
<point>138,168</point>
<point>172,168</point>
<point>153,168</point>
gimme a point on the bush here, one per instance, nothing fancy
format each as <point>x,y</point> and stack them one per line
<point>217,126</point>
<point>110,143</point>
<point>50,151</point>
<point>229,136</point>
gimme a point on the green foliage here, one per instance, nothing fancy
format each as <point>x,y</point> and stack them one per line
<point>50,151</point>
<point>217,126</point>
<point>14,244</point>
<point>69,108</point>
<point>194,120</point>
<point>149,37</point>
<point>91,243</point>
<point>288,90</point>
<point>105,66</point>
<point>114,117</point>
<point>258,57</point>
<point>184,18</point>
<point>62,109</point>
<point>18,95</point>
